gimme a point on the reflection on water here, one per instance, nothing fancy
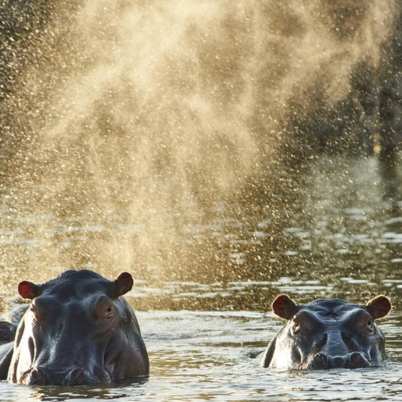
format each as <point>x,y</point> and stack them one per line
<point>205,322</point>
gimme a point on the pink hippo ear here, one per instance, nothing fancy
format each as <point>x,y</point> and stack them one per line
<point>284,307</point>
<point>379,306</point>
<point>28,290</point>
<point>123,284</point>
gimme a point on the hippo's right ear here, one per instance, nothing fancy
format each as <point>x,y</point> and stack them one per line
<point>122,284</point>
<point>379,306</point>
<point>28,290</point>
<point>284,307</point>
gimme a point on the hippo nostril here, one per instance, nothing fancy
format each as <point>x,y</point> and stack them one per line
<point>357,360</point>
<point>37,377</point>
<point>355,357</point>
<point>76,377</point>
<point>102,376</point>
<point>320,361</point>
<point>338,362</point>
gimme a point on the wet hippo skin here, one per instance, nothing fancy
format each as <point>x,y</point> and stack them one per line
<point>327,334</point>
<point>77,329</point>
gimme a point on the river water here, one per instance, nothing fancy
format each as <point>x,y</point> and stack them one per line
<point>338,234</point>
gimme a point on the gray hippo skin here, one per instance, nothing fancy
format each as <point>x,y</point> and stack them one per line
<point>76,330</point>
<point>327,334</point>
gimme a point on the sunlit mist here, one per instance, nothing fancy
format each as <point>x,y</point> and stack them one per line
<point>126,121</point>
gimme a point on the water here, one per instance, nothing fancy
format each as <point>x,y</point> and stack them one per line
<point>336,233</point>
<point>198,356</point>
<point>156,139</point>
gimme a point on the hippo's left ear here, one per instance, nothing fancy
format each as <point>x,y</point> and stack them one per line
<point>284,307</point>
<point>379,306</point>
<point>28,290</point>
<point>122,284</point>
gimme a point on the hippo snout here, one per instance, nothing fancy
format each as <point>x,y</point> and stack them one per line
<point>78,376</point>
<point>73,376</point>
<point>319,361</point>
<point>351,360</point>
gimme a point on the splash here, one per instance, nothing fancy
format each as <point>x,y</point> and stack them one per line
<point>138,117</point>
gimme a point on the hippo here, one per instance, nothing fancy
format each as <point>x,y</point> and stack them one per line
<point>326,334</point>
<point>76,330</point>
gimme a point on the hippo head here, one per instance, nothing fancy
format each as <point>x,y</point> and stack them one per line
<point>77,330</point>
<point>327,334</point>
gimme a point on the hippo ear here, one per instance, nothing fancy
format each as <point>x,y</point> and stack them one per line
<point>284,307</point>
<point>123,284</point>
<point>379,306</point>
<point>28,290</point>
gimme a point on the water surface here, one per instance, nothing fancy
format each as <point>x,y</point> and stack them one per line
<point>206,323</point>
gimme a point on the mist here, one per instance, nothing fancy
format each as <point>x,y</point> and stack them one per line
<point>135,119</point>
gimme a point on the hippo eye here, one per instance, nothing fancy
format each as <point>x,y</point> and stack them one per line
<point>104,308</point>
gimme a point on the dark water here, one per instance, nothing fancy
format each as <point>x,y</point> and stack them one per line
<point>339,234</point>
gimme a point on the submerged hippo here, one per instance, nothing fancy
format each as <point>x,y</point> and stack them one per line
<point>327,334</point>
<point>76,330</point>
